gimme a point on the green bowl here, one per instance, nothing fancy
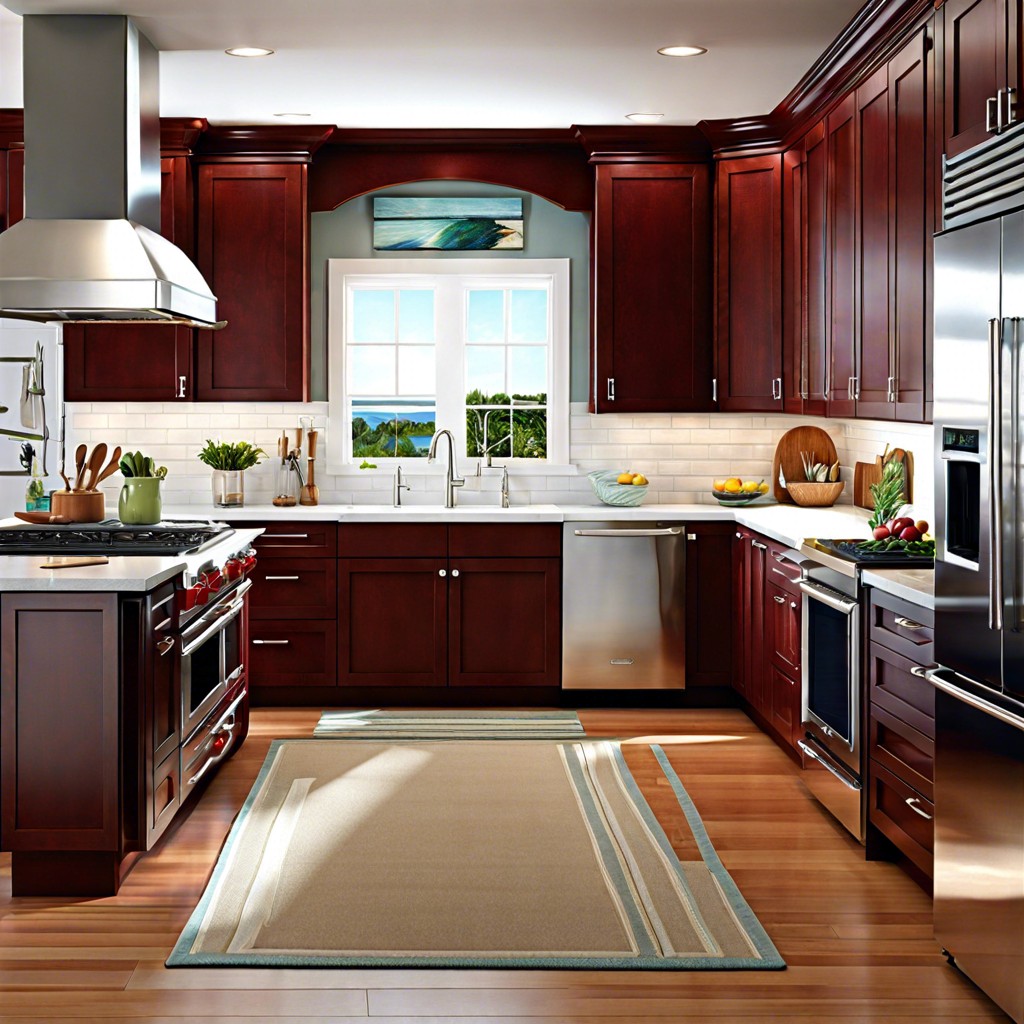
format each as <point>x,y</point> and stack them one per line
<point>612,493</point>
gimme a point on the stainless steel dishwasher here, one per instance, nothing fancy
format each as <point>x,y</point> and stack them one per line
<point>623,605</point>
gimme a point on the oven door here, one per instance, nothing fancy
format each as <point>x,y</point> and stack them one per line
<point>211,657</point>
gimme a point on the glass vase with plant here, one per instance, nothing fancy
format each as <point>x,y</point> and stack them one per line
<point>229,461</point>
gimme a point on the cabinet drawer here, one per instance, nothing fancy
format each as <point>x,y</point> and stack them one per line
<point>907,753</point>
<point>781,571</point>
<point>294,588</point>
<point>891,808</point>
<point>305,539</point>
<point>164,798</point>
<point>483,540</point>
<point>892,686</point>
<point>902,627</point>
<point>393,540</point>
<point>293,653</point>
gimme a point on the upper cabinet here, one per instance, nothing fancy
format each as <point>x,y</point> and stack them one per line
<point>652,277</point>
<point>748,283</point>
<point>253,250</point>
<point>983,69</point>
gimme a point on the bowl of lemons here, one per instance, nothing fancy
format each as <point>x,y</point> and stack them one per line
<point>626,489</point>
<point>735,491</point>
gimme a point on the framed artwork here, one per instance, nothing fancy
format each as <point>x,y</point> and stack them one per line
<point>450,224</point>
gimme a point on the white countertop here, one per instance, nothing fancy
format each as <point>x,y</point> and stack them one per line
<point>124,573</point>
<point>914,585</point>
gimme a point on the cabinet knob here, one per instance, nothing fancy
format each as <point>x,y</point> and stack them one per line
<point>442,572</point>
<point>455,572</point>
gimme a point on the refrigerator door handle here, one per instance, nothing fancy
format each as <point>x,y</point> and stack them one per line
<point>935,676</point>
<point>995,475</point>
<point>1012,527</point>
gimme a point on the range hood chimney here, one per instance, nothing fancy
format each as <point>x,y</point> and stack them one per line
<point>89,247</point>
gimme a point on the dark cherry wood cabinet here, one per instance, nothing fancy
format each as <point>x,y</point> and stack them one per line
<point>748,322</point>
<point>652,288</point>
<point>710,580</point>
<point>749,605</point>
<point>982,61</point>
<point>12,186</point>
<point>253,250</point>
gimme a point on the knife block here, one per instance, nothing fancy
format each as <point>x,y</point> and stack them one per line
<point>79,506</point>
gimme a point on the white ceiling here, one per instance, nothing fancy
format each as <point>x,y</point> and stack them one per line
<point>463,63</point>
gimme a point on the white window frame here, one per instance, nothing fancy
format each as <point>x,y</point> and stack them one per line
<point>343,274</point>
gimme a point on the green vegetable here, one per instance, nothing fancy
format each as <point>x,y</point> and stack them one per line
<point>240,455</point>
<point>137,464</point>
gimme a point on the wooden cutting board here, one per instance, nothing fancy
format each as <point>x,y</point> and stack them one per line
<point>866,473</point>
<point>787,456</point>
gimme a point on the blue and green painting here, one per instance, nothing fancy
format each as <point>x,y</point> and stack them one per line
<point>441,223</point>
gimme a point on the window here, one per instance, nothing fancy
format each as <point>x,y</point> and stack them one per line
<point>480,347</point>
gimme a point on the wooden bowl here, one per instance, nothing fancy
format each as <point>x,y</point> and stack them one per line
<point>79,506</point>
<point>814,495</point>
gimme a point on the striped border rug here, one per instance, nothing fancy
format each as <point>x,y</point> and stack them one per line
<point>471,854</point>
<point>449,724</point>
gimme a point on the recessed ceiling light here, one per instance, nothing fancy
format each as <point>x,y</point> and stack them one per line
<point>682,51</point>
<point>291,113</point>
<point>645,118</point>
<point>248,51</point>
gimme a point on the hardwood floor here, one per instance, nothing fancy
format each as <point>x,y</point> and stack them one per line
<point>856,935</point>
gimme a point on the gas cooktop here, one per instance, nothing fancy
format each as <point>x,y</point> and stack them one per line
<point>112,537</point>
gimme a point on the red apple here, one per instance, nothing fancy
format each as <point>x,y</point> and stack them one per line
<point>910,533</point>
<point>881,532</point>
<point>901,524</point>
<point>922,526</point>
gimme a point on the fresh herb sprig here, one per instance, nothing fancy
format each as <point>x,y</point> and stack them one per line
<point>888,494</point>
<point>234,456</point>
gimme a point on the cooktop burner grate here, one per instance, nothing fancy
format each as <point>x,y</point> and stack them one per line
<point>112,537</point>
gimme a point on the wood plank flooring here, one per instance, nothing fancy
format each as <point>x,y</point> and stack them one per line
<point>856,935</point>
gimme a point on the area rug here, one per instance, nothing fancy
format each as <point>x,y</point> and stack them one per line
<point>449,724</point>
<point>470,854</point>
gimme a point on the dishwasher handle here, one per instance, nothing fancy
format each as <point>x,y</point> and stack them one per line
<point>668,531</point>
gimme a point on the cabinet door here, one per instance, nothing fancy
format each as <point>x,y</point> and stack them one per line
<point>841,139</point>
<point>127,363</point>
<point>978,63</point>
<point>12,187</point>
<point>652,246</point>
<point>874,212</point>
<point>782,704</point>
<point>709,604</point>
<point>741,612</point>
<point>253,250</point>
<point>911,131</point>
<point>505,622</point>
<point>816,267</point>
<point>393,621</point>
<point>794,319</point>
<point>748,203</point>
<point>782,629</point>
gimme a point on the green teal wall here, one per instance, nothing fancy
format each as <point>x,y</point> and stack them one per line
<point>549,232</point>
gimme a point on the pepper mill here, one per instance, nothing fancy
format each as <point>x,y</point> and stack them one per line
<point>310,493</point>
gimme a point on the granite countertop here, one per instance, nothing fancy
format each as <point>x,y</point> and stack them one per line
<point>914,585</point>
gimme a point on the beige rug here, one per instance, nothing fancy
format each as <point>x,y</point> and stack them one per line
<point>474,853</point>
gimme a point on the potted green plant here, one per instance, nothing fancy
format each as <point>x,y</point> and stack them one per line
<point>229,461</point>
<point>139,500</point>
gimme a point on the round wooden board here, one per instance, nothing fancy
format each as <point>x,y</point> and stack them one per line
<point>787,456</point>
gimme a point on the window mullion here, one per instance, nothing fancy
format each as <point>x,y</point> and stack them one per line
<point>451,372</point>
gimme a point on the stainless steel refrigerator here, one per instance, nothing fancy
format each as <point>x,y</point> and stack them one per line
<point>979,604</point>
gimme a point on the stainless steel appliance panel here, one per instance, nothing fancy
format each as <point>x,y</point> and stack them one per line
<point>968,354</point>
<point>623,605</point>
<point>979,838</point>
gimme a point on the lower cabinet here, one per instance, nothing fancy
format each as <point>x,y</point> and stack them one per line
<point>711,656</point>
<point>901,734</point>
<point>767,615</point>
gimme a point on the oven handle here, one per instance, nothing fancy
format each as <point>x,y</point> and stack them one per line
<point>829,767</point>
<point>828,597</point>
<point>223,616</point>
<point>221,726</point>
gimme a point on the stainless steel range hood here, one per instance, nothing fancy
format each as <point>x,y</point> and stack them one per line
<point>89,247</point>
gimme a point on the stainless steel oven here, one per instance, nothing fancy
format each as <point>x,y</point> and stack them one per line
<point>212,655</point>
<point>831,694</point>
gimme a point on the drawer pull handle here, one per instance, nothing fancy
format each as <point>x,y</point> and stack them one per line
<point>280,577</point>
<point>272,642</point>
<point>165,645</point>
<point>287,536</point>
<point>919,671</point>
<point>777,599</point>
<point>912,802</point>
<point>905,623</point>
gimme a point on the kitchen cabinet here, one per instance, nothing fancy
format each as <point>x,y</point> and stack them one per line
<point>748,325</point>
<point>983,69</point>
<point>652,288</point>
<point>748,617</point>
<point>901,734</point>
<point>102,361</point>
<point>253,250</point>
<point>711,655</point>
<point>841,143</point>
<point>12,187</point>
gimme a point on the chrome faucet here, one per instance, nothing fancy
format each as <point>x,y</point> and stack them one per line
<point>452,478</point>
<point>397,488</point>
